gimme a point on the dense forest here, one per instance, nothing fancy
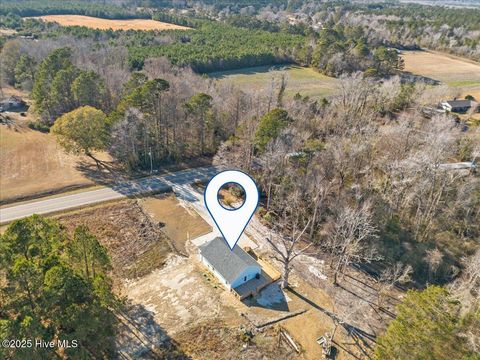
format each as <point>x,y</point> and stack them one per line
<point>439,28</point>
<point>214,47</point>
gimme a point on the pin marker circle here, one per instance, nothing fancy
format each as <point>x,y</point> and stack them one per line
<point>231,222</point>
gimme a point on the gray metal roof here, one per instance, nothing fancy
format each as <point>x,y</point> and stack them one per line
<point>229,263</point>
<point>459,103</point>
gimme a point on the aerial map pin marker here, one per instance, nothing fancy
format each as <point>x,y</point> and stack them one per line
<point>231,222</point>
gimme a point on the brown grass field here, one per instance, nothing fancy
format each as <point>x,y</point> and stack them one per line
<point>459,73</point>
<point>32,164</point>
<point>134,243</point>
<point>105,24</point>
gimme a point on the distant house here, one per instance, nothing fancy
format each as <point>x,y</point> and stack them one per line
<point>459,106</point>
<point>232,267</point>
<point>13,103</point>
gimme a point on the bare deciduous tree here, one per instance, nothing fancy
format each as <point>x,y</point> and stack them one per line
<point>434,259</point>
<point>287,240</point>
<point>467,287</point>
<point>349,241</point>
<point>467,290</point>
<point>271,162</point>
<point>392,275</point>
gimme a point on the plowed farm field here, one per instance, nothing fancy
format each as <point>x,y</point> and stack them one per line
<point>105,24</point>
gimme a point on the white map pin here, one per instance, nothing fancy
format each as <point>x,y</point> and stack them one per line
<point>231,222</point>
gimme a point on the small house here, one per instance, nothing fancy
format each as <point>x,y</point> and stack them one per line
<point>13,103</point>
<point>233,268</point>
<point>458,106</point>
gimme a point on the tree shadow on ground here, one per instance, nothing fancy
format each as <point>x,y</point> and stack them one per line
<point>361,337</point>
<point>138,184</point>
<point>253,70</point>
<point>140,337</point>
<point>105,174</point>
<point>271,297</point>
<point>382,309</point>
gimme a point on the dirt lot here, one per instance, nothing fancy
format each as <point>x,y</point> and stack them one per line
<point>135,244</point>
<point>179,223</point>
<point>313,307</point>
<point>7,32</point>
<point>308,327</point>
<point>454,71</point>
<point>178,294</point>
<point>105,24</point>
<point>201,317</point>
<point>213,340</point>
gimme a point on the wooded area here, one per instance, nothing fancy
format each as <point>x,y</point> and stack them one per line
<point>57,287</point>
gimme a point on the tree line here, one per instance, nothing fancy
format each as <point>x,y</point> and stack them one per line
<point>106,9</point>
<point>447,29</point>
<point>239,42</point>
<point>162,114</point>
<point>216,47</point>
<point>339,49</point>
<point>55,286</point>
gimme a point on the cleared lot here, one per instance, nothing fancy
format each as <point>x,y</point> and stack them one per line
<point>178,222</point>
<point>136,245</point>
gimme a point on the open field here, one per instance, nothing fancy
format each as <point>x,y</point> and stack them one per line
<point>31,162</point>
<point>305,81</point>
<point>459,73</point>
<point>105,24</point>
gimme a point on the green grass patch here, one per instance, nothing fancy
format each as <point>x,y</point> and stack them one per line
<point>303,80</point>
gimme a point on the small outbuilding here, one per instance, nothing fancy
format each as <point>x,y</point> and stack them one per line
<point>232,267</point>
<point>13,103</point>
<point>459,106</point>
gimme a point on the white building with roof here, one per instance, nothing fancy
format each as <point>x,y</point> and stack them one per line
<point>232,267</point>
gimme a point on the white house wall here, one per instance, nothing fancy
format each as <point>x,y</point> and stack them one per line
<point>216,273</point>
<point>249,272</point>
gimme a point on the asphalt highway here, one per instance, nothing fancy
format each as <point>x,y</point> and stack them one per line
<point>153,184</point>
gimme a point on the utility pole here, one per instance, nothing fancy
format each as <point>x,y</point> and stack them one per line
<point>151,160</point>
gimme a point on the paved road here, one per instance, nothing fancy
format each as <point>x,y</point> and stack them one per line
<point>154,184</point>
